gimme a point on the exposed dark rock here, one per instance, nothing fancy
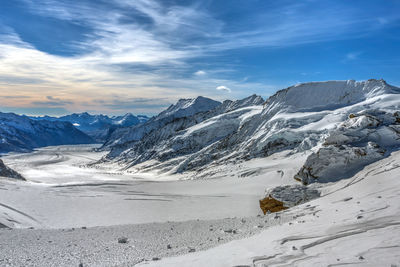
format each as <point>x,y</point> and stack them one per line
<point>8,172</point>
<point>123,240</point>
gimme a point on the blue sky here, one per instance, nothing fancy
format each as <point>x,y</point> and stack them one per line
<point>117,56</point>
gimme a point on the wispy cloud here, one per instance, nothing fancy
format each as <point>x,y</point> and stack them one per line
<point>146,48</point>
<point>353,55</point>
<point>53,102</point>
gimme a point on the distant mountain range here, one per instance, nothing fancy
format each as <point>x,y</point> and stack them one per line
<point>22,134</point>
<point>97,126</point>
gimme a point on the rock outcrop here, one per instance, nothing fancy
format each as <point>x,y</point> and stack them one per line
<point>9,173</point>
<point>284,197</point>
<point>270,204</point>
<point>360,140</point>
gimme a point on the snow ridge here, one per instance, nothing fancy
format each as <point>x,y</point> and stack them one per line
<point>317,96</point>
<point>188,107</point>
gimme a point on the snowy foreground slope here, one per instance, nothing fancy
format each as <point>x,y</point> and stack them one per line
<point>356,222</point>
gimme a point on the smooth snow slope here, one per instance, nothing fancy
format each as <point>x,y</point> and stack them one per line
<point>356,223</point>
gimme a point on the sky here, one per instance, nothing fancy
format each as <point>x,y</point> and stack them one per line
<point>140,56</point>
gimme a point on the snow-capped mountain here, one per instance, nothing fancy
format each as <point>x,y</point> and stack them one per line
<point>98,126</point>
<point>330,95</point>
<point>188,107</point>
<point>20,133</point>
<point>184,108</point>
<point>359,118</point>
<point>163,137</point>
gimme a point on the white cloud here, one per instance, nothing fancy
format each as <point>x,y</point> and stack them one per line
<point>168,39</point>
<point>116,42</point>
<point>200,73</point>
<point>224,88</point>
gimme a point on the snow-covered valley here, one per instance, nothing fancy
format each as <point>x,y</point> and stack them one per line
<point>195,185</point>
<point>61,192</point>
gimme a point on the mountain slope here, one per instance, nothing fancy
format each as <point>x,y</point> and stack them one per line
<point>188,107</point>
<point>20,133</point>
<point>298,118</point>
<point>167,139</point>
<point>184,108</point>
<point>318,96</point>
